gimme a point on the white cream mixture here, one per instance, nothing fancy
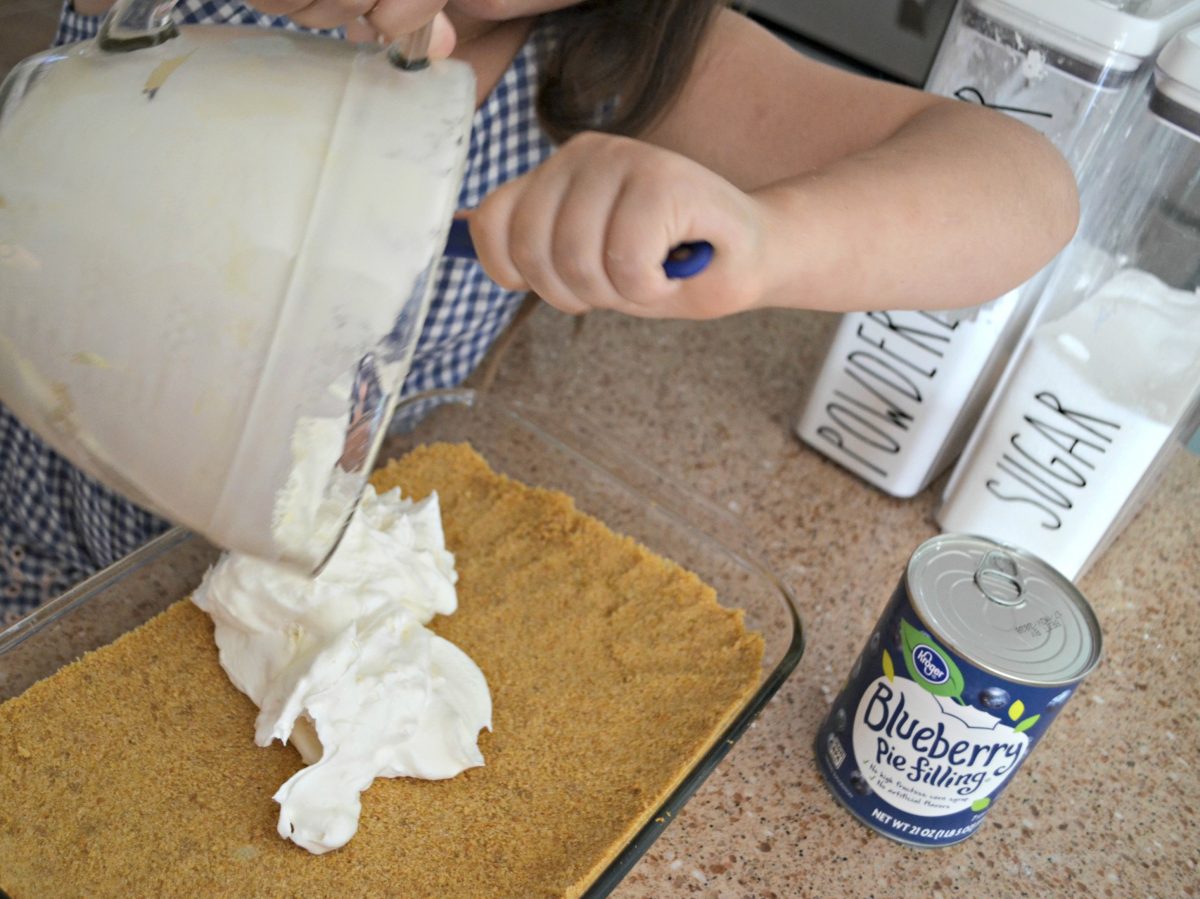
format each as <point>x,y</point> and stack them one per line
<point>343,667</point>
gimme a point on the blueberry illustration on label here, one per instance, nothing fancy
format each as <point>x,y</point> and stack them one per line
<point>930,665</point>
<point>859,784</point>
<point>993,698</point>
<point>839,721</point>
<point>875,638</point>
<point>1059,699</point>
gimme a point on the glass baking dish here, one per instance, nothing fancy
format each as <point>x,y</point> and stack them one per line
<point>542,447</point>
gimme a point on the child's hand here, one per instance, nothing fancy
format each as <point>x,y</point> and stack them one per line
<point>590,228</point>
<point>364,19</point>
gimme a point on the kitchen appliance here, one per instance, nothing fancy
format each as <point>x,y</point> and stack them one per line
<point>215,246</point>
<point>896,38</point>
<point>1107,385</point>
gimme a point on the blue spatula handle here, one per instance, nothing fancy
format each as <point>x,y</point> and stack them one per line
<point>683,261</point>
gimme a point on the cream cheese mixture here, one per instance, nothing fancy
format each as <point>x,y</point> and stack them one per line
<point>343,667</point>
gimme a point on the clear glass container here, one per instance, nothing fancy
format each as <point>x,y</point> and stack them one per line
<point>1063,68</point>
<point>1107,383</point>
<point>215,246</point>
<point>543,447</point>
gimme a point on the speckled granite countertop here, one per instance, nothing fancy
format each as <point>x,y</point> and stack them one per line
<point>1106,804</point>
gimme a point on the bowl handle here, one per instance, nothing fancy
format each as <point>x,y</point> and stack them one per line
<point>134,24</point>
<point>411,51</point>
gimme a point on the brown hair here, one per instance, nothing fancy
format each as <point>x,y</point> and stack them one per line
<point>636,53</point>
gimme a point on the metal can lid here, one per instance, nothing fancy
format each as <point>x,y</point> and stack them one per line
<point>1004,610</point>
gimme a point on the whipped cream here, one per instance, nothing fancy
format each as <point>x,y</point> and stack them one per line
<point>319,494</point>
<point>343,667</point>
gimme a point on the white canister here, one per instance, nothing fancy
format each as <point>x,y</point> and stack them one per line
<point>899,391</point>
<point>1064,68</point>
<point>892,386</point>
<point>1097,398</point>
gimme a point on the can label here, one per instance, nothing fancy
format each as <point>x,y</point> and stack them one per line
<point>920,742</point>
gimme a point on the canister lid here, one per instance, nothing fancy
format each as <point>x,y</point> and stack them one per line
<point>1178,70</point>
<point>1099,31</point>
<point>1004,610</point>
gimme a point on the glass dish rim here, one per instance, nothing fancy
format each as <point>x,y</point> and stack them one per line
<point>616,870</point>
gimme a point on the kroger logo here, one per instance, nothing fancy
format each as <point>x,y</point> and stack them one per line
<point>931,665</point>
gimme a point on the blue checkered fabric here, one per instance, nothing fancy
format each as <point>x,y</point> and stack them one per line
<point>57,525</point>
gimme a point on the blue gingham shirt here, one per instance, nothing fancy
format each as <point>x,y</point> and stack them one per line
<point>57,525</point>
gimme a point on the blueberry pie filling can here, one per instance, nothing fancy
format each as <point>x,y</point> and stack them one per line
<point>977,651</point>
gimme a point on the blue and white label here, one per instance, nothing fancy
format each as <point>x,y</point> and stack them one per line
<point>928,755</point>
<point>920,742</point>
<point>931,664</point>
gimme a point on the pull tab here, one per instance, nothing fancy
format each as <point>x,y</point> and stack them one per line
<point>996,577</point>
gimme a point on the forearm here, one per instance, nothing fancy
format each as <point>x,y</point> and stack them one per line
<point>960,205</point>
